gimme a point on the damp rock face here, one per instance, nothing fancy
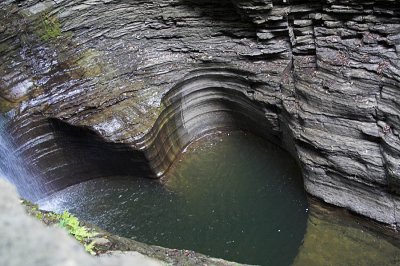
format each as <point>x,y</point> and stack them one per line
<point>320,78</point>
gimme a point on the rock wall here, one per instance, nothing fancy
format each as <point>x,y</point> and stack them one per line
<point>344,106</point>
<point>324,74</point>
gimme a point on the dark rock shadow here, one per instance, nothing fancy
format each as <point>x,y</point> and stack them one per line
<point>90,156</point>
<point>225,14</point>
<point>60,155</point>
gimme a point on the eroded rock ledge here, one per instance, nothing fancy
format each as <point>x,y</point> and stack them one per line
<point>320,78</point>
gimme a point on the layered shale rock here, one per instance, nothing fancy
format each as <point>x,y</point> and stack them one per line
<point>319,78</point>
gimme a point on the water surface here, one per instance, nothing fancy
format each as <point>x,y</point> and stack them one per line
<point>229,195</point>
<point>337,237</point>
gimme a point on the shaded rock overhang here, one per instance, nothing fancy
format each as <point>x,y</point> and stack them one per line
<point>320,77</point>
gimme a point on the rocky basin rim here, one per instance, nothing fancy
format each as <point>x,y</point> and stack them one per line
<point>140,80</point>
<point>106,243</point>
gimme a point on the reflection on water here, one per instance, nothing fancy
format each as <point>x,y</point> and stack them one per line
<point>236,197</point>
<point>250,194</point>
<point>233,196</point>
<point>336,237</point>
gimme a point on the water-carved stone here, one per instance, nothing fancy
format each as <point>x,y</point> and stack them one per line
<point>320,78</point>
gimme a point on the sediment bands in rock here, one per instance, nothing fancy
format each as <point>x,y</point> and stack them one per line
<point>59,155</point>
<point>321,76</point>
<point>205,101</point>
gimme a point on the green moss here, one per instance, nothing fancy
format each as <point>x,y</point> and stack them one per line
<point>50,27</point>
<point>65,220</point>
<point>74,228</point>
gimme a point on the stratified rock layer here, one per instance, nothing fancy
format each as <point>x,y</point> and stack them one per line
<point>320,78</point>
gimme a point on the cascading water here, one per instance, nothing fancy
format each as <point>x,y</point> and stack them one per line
<point>14,169</point>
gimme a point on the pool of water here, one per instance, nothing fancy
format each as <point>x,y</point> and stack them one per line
<point>230,195</point>
<point>335,236</point>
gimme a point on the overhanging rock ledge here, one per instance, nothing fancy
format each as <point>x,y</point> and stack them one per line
<point>325,74</point>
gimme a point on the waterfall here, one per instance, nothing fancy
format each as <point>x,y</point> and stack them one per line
<point>14,168</point>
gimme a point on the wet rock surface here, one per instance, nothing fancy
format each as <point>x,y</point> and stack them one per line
<point>324,74</point>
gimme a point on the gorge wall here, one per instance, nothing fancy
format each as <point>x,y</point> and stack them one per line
<point>319,78</point>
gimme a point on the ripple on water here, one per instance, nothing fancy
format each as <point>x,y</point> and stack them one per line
<point>233,196</point>
<point>236,197</point>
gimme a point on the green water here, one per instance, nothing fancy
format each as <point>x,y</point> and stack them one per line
<point>235,197</point>
<point>232,196</point>
<point>338,238</point>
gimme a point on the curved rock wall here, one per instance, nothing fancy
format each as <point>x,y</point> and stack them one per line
<point>59,155</point>
<point>346,101</point>
<point>205,101</point>
<point>323,75</point>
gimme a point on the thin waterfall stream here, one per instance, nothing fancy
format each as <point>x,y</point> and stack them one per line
<point>261,132</point>
<point>230,195</point>
<point>15,169</point>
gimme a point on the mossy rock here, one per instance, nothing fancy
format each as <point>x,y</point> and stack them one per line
<point>49,27</point>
